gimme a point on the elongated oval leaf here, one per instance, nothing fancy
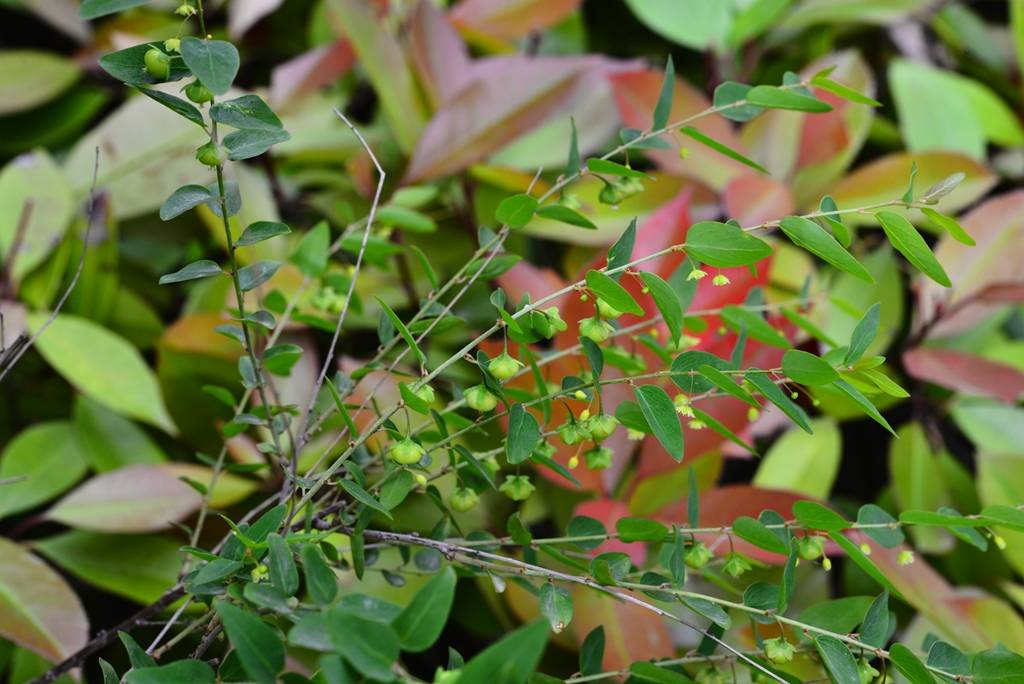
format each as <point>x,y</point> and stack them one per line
<point>523,434</point>
<point>661,415</point>
<point>809,235</point>
<point>771,97</point>
<point>908,242</point>
<point>807,369</point>
<point>838,660</point>
<point>724,245</point>
<point>259,647</point>
<point>214,62</point>
<point>204,268</point>
<point>421,623</point>
<point>612,293</point>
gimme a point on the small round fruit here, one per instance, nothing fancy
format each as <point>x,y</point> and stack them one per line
<point>602,426</point>
<point>157,63</point>
<point>426,393</point>
<point>697,556</point>
<point>779,651</point>
<point>479,398</point>
<point>517,487</point>
<point>595,329</point>
<point>406,452</point>
<point>598,458</point>
<point>172,45</point>
<point>463,499</point>
<point>209,155</point>
<point>198,93</point>
<point>607,310</point>
<point>503,366</point>
<point>810,548</point>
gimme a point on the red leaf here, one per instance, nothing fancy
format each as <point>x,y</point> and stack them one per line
<point>437,52</point>
<point>310,71</point>
<point>507,19</point>
<point>965,373</point>
<point>753,199</point>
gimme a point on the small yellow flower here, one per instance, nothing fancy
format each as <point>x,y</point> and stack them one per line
<point>634,435</point>
<point>720,280</point>
<point>421,479</point>
<point>753,414</point>
<point>579,394</point>
<point>906,557</point>
<point>865,549</point>
<point>696,274</point>
<point>697,425</point>
<point>574,463</point>
<point>826,563</point>
<point>999,542</point>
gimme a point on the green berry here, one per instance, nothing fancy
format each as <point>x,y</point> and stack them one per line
<point>209,154</point>
<point>595,329</point>
<point>157,63</point>
<point>463,499</point>
<point>602,426</point>
<point>736,565</point>
<point>504,366</point>
<point>426,394</point>
<point>598,458</point>
<point>517,487</point>
<point>406,452</point>
<point>572,433</point>
<point>810,548</point>
<point>778,650</point>
<point>606,310</point>
<point>866,671</point>
<point>198,93</point>
<point>479,398</point>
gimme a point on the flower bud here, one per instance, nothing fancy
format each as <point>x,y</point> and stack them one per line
<point>696,274</point>
<point>905,557</point>
<point>602,426</point>
<point>598,458</point>
<point>596,329</point>
<point>209,155</point>
<point>504,366</point>
<point>185,10</point>
<point>517,487</point>
<point>682,404</point>
<point>697,555</point>
<point>421,479</point>
<point>463,499</point>
<point>479,398</point>
<point>406,452</point>
<point>778,650</point>
<point>810,547</point>
<point>157,63</point>
<point>172,45</point>
<point>606,310</point>
<point>720,280</point>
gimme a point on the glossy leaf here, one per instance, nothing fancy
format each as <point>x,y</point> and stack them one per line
<point>807,369</point>
<point>258,645</point>
<point>724,245</point>
<point>41,462</point>
<point>842,668</point>
<point>660,414</point>
<point>810,236</point>
<point>204,268</point>
<point>612,293</point>
<point>214,62</point>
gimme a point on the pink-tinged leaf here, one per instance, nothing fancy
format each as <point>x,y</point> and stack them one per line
<point>131,499</point>
<point>609,511</point>
<point>310,71</point>
<point>885,179</point>
<point>503,98</point>
<point>38,610</point>
<point>753,199</point>
<point>965,373</point>
<point>508,19</point>
<point>437,53</point>
<point>242,14</point>
<point>983,276</point>
<point>636,93</point>
<point>385,63</point>
<point>631,633</point>
<point>525,278</point>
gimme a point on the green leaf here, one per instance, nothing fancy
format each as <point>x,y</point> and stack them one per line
<point>214,62</point>
<point>997,666</point>
<point>663,107</point>
<point>406,219</point>
<point>667,301</point>
<point>814,516</point>
<point>184,198</point>
<point>661,415</point>
<point>281,564</point>
<point>621,252</point>
<point>755,532</point>
<point>889,537</point>
<point>192,671</point>
<point>311,255</point>
<point>640,529</point>
<point>731,98</point>
<point>216,570</point>
<point>258,645</point>
<point>572,165</point>
<point>612,293</point>
<point>42,461</point>
<point>863,402</point>
<point>246,144</point>
<point>843,91</point>
<point>611,168</point>
<point>908,242</point>
<point>523,435</point>
<point>176,105</point>
<point>643,672</point>
<point>509,661</point>
<point>204,268</point>
<point>727,384</point>
<point>807,369</point>
<point>371,647</point>
<point>403,331</point>
<point>949,225</point>
<point>128,66</point>
<point>260,231</point>
<point>708,141</point>
<point>771,97</point>
<point>711,611</point>
<point>838,660</point>
<point>556,606</point>
<point>864,334</point>
<point>109,673</point>
<point>137,656</point>
<point>584,526</point>
<point>103,366</point>
<point>363,496</point>
<point>516,211</point>
<point>93,9</point>
<point>858,557</point>
<point>909,665</point>
<point>321,582</point>
<point>808,235</point>
<point>772,393</point>
<point>756,326</point>
<point>724,245</point>
<point>252,276</point>
<point>560,212</point>
<point>874,629</point>
<point>423,620</point>
<point>592,652</point>
<point>247,111</point>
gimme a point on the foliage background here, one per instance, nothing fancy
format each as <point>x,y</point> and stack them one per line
<point>468,101</point>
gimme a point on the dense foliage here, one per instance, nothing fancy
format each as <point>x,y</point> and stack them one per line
<point>512,341</point>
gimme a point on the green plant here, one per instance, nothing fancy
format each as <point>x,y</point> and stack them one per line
<point>547,391</point>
